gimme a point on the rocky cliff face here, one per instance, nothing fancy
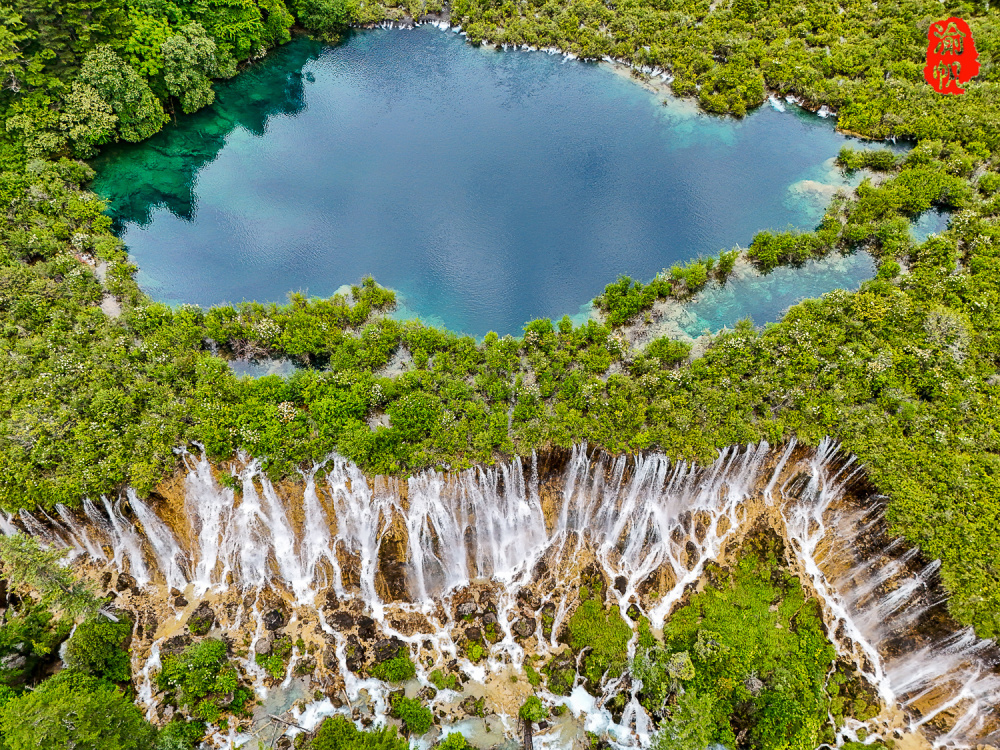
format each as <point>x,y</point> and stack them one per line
<point>321,586</point>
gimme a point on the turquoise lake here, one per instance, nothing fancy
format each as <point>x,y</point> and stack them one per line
<point>488,188</point>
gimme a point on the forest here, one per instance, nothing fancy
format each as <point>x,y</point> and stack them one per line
<point>904,372</point>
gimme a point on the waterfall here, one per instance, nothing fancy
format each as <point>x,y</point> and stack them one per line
<point>409,549</point>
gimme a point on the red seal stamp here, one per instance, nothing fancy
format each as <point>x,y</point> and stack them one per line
<point>951,56</point>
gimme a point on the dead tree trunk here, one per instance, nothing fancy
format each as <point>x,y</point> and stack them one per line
<point>529,743</point>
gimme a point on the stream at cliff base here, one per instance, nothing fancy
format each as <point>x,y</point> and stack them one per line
<point>487,187</point>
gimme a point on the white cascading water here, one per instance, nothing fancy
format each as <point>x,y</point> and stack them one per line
<point>634,515</point>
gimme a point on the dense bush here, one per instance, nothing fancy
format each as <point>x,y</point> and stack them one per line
<point>29,635</point>
<point>74,710</point>
<point>339,733</point>
<point>179,734</point>
<point>747,655</point>
<point>604,635</point>
<point>98,648</point>
<point>416,717</point>
<point>397,669</point>
<point>201,680</point>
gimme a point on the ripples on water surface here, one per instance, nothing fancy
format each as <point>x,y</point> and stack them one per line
<point>488,188</point>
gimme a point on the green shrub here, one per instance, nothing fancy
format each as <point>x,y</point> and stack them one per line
<point>444,681</point>
<point>534,678</point>
<point>397,669</point>
<point>454,741</point>
<point>727,262</point>
<point>416,717</point>
<point>33,632</point>
<point>605,634</point>
<point>98,648</point>
<point>474,651</point>
<point>623,299</point>
<point>180,735</point>
<point>533,710</point>
<point>74,710</point>
<point>339,733</point>
<point>200,677</point>
<point>748,649</point>
<point>667,351</point>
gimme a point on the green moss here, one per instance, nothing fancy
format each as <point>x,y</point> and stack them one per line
<point>747,654</point>
<point>605,635</point>
<point>201,680</point>
<point>416,717</point>
<point>444,681</point>
<point>474,651</point>
<point>397,669</point>
<point>534,679</point>
<point>97,648</point>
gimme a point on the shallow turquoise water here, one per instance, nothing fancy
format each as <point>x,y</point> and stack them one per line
<point>764,299</point>
<point>488,188</point>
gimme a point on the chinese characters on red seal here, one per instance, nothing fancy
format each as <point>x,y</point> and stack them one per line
<point>951,56</point>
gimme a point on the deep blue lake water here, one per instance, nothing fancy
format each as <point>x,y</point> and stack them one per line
<point>488,188</point>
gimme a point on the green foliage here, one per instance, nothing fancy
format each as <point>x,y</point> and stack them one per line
<point>444,681</point>
<point>397,669</point>
<point>338,733</point>
<point>200,678</point>
<point>605,636</point>
<point>328,19</point>
<point>533,710</point>
<point>74,710</point>
<point>747,654</point>
<point>27,564</point>
<point>625,298</point>
<point>180,735</point>
<point>534,679</point>
<point>98,649</point>
<point>416,717</point>
<point>887,362</point>
<point>189,63</point>
<point>454,741</point>
<point>668,351</point>
<point>878,160</point>
<point>474,651</point>
<point>139,112</point>
<point>692,724</point>
<point>32,632</point>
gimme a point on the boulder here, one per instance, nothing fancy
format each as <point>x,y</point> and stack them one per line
<point>202,619</point>
<point>524,628</point>
<point>275,619</point>
<point>13,661</point>
<point>530,598</point>
<point>355,653</point>
<point>466,609</point>
<point>125,583</point>
<point>265,643</point>
<point>387,648</point>
<point>341,620</point>
<point>366,628</point>
<point>175,645</point>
